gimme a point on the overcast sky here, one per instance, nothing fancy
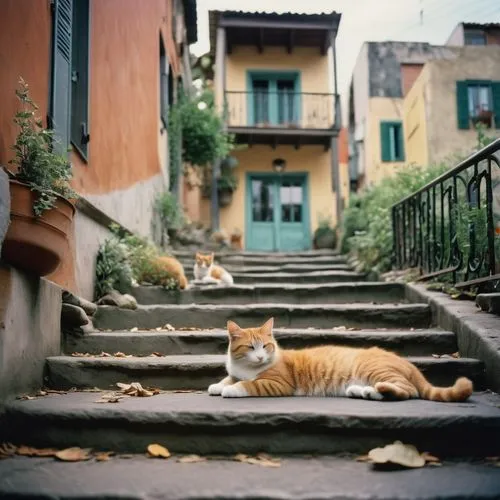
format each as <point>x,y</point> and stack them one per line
<point>366,20</point>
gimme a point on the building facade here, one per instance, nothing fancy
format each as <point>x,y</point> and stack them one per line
<point>103,75</point>
<point>275,82</point>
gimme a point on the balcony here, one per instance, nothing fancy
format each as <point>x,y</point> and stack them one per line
<point>283,117</point>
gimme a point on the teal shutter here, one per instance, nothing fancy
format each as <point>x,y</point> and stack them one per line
<point>495,92</point>
<point>385,141</point>
<point>401,143</point>
<point>164,85</point>
<point>462,105</point>
<point>60,95</point>
<point>80,77</point>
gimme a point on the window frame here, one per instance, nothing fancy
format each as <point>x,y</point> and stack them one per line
<point>273,102</point>
<point>393,139</point>
<point>470,34</point>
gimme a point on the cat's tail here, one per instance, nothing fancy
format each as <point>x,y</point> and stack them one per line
<point>459,391</point>
<point>183,282</point>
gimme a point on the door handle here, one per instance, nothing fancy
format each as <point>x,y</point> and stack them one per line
<point>85,138</point>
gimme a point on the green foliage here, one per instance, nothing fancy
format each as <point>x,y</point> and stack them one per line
<point>174,143</point>
<point>203,138</point>
<point>46,172</point>
<point>169,210</point>
<point>367,226</point>
<point>227,179</point>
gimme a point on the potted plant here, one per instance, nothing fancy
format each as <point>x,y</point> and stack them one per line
<point>226,185</point>
<point>170,213</point>
<point>325,235</point>
<point>41,213</point>
<point>483,116</point>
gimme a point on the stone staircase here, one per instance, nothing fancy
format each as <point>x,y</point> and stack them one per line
<point>315,299</point>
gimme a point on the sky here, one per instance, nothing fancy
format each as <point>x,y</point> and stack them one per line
<point>366,20</point>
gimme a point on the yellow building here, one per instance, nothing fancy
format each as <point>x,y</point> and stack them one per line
<point>447,99</point>
<point>275,79</point>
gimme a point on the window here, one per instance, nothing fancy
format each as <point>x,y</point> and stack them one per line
<point>274,99</point>
<point>164,86</point>
<point>391,136</point>
<point>478,101</point>
<point>80,136</point>
<point>475,38</point>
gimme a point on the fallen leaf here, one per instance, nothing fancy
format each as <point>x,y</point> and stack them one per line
<point>169,327</point>
<point>435,356</point>
<point>191,459</point>
<point>54,391</point>
<point>455,355</point>
<point>189,329</point>
<point>363,458</point>
<point>262,459</point>
<point>7,450</point>
<point>339,328</point>
<point>111,398</point>
<point>25,397</point>
<point>104,456</point>
<point>41,393</point>
<point>28,451</point>
<point>397,453</point>
<point>157,354</point>
<point>135,329</point>
<point>119,355</point>
<point>74,454</point>
<point>158,451</point>
<point>429,458</point>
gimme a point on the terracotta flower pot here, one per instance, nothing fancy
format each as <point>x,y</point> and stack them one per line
<point>36,244</point>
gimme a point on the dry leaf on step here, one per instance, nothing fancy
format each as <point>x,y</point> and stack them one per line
<point>104,456</point>
<point>363,458</point>
<point>105,355</point>
<point>429,458</point>
<point>189,329</point>
<point>135,329</point>
<point>28,451</point>
<point>435,356</point>
<point>136,389</point>
<point>80,354</point>
<point>158,451</point>
<point>120,354</point>
<point>262,459</point>
<point>157,354</point>
<point>455,355</point>
<point>397,453</point>
<point>73,454</point>
<point>191,459</point>
<point>25,397</point>
<point>169,327</point>
<point>7,450</point>
<point>111,398</point>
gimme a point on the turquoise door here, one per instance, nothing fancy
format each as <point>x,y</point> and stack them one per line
<point>277,212</point>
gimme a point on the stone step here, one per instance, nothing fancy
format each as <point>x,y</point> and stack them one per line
<point>260,255</point>
<point>286,315</point>
<point>144,343</point>
<point>304,277</point>
<point>197,372</point>
<point>201,424</point>
<point>334,293</point>
<point>137,478</point>
<point>288,268</point>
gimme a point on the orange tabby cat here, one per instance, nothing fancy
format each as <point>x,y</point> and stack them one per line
<point>163,269</point>
<point>258,367</point>
<point>206,270</point>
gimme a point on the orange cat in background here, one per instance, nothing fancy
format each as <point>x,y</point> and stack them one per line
<point>162,270</point>
<point>206,270</point>
<point>256,366</point>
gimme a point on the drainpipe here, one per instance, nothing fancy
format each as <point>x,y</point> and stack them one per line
<point>220,54</point>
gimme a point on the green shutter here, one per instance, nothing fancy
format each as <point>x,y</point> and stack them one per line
<point>462,105</point>
<point>385,141</point>
<point>401,143</point>
<point>80,77</point>
<point>495,91</point>
<point>164,85</point>
<point>60,92</point>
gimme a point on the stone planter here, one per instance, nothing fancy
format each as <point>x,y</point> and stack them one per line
<point>36,244</point>
<point>225,197</point>
<point>325,239</point>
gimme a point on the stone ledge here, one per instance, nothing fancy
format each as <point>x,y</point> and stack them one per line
<point>478,333</point>
<point>331,478</point>
<point>489,302</point>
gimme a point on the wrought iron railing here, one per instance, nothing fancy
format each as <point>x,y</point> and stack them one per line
<point>282,109</point>
<point>452,225</point>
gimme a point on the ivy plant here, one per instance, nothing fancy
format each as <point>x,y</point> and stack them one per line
<point>46,172</point>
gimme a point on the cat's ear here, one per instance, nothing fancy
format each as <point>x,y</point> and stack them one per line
<point>267,327</point>
<point>233,330</point>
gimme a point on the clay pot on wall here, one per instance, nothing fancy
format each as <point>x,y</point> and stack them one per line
<point>36,244</point>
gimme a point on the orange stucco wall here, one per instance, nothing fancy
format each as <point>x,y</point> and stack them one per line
<point>25,35</point>
<point>124,76</point>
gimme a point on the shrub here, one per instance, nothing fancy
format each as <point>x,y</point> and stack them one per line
<point>169,210</point>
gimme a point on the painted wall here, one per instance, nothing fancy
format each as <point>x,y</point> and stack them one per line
<point>470,62</point>
<point>311,159</point>
<point>25,39</point>
<point>380,109</point>
<point>415,108</point>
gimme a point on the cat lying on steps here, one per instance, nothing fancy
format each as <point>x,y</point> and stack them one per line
<point>205,270</point>
<point>256,366</point>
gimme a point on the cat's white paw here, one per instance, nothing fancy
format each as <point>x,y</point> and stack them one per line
<point>354,391</point>
<point>371,393</point>
<point>215,389</point>
<point>234,391</point>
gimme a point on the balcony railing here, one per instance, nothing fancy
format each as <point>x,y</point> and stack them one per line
<point>452,225</point>
<point>282,109</point>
